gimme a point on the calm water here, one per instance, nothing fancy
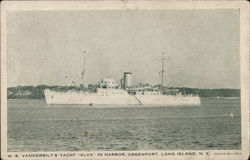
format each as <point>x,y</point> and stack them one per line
<point>35,126</point>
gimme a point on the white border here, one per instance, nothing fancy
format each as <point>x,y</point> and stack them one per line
<point>124,5</point>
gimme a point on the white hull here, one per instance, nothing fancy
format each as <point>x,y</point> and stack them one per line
<point>56,97</point>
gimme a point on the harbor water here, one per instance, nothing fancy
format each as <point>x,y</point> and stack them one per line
<point>35,126</point>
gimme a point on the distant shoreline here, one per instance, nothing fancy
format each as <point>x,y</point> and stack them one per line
<point>36,92</point>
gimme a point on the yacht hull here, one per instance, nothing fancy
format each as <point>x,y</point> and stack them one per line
<point>57,97</point>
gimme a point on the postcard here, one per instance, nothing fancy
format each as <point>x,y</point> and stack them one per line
<point>124,80</point>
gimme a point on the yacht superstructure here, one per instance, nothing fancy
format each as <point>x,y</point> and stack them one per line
<point>110,92</point>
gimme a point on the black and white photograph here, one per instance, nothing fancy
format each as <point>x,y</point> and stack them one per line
<point>124,82</point>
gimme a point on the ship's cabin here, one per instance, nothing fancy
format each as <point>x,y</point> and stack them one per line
<point>148,93</point>
<point>108,83</point>
<point>143,91</point>
<point>111,91</point>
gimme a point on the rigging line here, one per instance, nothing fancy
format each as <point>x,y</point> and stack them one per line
<point>83,70</point>
<point>162,72</point>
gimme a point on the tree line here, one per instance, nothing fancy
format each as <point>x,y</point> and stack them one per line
<point>36,92</point>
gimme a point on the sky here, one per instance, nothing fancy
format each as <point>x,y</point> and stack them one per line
<point>201,47</point>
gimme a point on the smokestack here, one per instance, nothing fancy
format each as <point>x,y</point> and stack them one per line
<point>127,80</point>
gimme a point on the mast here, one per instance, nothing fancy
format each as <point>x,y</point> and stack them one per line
<point>162,72</point>
<point>83,70</point>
